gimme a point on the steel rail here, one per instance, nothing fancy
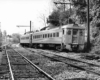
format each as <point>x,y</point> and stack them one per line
<point>46,74</point>
<point>78,67</point>
<point>11,72</point>
<point>78,60</point>
<point>73,59</point>
<point>73,65</point>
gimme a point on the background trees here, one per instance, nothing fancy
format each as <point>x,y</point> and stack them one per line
<point>78,14</point>
<point>16,38</point>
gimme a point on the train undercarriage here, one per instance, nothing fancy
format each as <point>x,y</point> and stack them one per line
<point>59,47</point>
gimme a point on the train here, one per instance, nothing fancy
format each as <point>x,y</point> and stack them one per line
<point>69,37</point>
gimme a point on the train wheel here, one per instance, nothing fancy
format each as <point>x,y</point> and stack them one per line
<point>59,48</point>
<point>75,48</point>
<point>35,46</point>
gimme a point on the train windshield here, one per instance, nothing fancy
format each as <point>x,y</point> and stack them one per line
<point>69,32</point>
<point>75,31</point>
<point>81,32</point>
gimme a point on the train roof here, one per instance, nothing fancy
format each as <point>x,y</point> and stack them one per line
<point>24,35</point>
<point>58,28</point>
<point>75,26</point>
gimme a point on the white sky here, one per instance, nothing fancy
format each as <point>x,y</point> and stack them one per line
<point>20,12</point>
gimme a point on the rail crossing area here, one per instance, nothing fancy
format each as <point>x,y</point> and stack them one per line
<point>18,63</point>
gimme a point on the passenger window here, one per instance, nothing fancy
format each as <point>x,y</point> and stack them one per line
<point>69,32</point>
<point>63,31</point>
<point>45,35</point>
<point>57,34</point>
<point>53,34</point>
<point>40,36</point>
<point>35,37</point>
<point>50,35</point>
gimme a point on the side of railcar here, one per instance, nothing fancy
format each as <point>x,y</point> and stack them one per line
<point>69,37</point>
<point>51,38</point>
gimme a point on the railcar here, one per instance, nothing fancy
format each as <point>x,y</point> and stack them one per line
<point>25,40</point>
<point>71,37</point>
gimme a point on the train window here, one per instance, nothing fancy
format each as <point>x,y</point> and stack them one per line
<point>45,35</point>
<point>53,34</point>
<point>75,31</point>
<point>50,35</point>
<point>37,36</point>
<point>41,36</point>
<point>57,34</point>
<point>81,32</point>
<point>69,32</point>
<point>63,31</point>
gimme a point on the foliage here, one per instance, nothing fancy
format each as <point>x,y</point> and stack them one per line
<point>78,14</point>
<point>54,18</point>
<point>16,38</point>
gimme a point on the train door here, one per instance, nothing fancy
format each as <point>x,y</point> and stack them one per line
<point>75,36</point>
<point>67,36</point>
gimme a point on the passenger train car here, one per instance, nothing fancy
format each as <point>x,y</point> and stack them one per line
<point>71,37</point>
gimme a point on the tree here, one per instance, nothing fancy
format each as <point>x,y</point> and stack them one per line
<point>54,18</point>
<point>16,37</point>
<point>44,19</point>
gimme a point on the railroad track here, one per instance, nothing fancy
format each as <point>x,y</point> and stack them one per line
<point>76,63</point>
<point>19,67</point>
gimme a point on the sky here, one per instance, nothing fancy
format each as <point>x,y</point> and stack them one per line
<point>21,12</point>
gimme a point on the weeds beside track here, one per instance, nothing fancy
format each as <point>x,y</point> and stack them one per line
<point>21,67</point>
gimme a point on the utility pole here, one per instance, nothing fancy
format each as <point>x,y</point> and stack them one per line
<point>26,26</point>
<point>25,31</point>
<point>88,27</point>
<point>30,25</point>
<point>64,3</point>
